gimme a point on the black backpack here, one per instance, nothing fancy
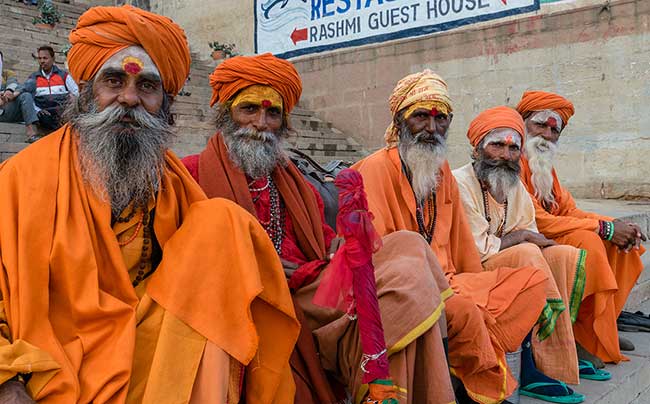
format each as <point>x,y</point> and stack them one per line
<point>322,178</point>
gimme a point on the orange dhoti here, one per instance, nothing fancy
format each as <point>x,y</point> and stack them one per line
<point>554,347</point>
<point>611,275</point>
<point>489,315</point>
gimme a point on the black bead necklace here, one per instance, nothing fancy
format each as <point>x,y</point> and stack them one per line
<point>432,211</point>
<point>275,226</point>
<point>486,209</point>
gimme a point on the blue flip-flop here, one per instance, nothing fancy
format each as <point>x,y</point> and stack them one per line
<point>573,398</point>
<point>589,371</point>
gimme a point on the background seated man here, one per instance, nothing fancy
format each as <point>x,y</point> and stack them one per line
<point>613,246</point>
<point>15,106</point>
<point>51,88</point>
<point>502,218</point>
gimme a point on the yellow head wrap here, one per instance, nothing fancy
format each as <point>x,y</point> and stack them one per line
<point>422,90</point>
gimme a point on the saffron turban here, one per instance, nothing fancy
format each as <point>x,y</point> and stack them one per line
<point>101,32</point>
<point>239,72</point>
<point>498,117</point>
<point>425,86</point>
<point>541,100</point>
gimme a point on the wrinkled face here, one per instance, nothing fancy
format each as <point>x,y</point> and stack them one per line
<point>496,161</point>
<point>131,79</point>
<point>259,108</point>
<point>502,144</point>
<point>45,60</point>
<point>424,124</point>
<point>547,124</point>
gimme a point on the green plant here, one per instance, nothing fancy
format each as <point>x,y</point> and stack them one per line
<point>227,48</point>
<point>50,14</point>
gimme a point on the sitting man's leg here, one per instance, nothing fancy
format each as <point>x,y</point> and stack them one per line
<point>21,109</point>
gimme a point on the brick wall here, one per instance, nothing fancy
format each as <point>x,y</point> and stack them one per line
<point>596,55</point>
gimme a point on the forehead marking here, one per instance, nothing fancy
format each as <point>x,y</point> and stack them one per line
<point>552,122</point>
<point>132,65</point>
<point>433,112</point>
<point>266,103</point>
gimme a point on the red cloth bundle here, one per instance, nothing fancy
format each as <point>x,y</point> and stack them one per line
<point>349,282</point>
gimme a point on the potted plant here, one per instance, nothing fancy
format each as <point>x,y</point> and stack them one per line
<point>50,15</point>
<point>222,51</point>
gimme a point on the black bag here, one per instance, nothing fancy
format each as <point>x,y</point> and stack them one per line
<point>322,178</point>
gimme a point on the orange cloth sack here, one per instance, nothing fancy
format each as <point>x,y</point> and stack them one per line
<point>498,117</point>
<point>541,100</point>
<point>240,72</point>
<point>101,32</point>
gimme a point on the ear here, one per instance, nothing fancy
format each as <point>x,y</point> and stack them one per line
<point>82,85</point>
<point>475,153</point>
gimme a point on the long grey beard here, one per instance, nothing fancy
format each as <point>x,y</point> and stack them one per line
<point>500,176</point>
<point>255,153</point>
<point>122,162</point>
<point>423,159</point>
<point>541,158</point>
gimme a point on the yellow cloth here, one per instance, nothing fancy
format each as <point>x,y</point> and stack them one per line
<point>414,88</point>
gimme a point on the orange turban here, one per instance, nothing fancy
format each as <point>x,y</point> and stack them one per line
<point>101,32</point>
<point>498,117</point>
<point>237,73</point>
<point>425,86</point>
<point>541,100</point>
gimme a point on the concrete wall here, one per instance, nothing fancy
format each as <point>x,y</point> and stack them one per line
<point>596,55</point>
<point>225,21</point>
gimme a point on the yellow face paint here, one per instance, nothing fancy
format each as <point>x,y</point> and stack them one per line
<point>263,96</point>
<point>437,106</point>
<point>132,65</point>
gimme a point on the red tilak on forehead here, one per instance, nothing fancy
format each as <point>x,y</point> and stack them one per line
<point>433,112</point>
<point>266,103</point>
<point>132,68</point>
<point>552,122</point>
<point>509,140</point>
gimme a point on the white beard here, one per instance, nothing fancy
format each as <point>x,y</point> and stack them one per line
<point>424,161</point>
<point>541,157</point>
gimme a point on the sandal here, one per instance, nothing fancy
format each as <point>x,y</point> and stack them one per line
<point>633,322</point>
<point>589,371</point>
<point>572,398</point>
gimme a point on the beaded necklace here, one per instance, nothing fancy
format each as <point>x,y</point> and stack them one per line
<point>145,256</point>
<point>427,231</point>
<point>126,218</point>
<point>275,226</point>
<point>486,209</point>
<point>432,210</point>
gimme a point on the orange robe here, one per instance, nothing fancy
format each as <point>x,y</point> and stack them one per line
<point>73,320</point>
<point>490,312</point>
<point>611,274</point>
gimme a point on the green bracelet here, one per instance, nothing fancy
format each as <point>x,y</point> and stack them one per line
<point>610,235</point>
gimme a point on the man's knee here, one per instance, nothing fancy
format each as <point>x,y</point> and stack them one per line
<point>26,99</point>
<point>461,312</point>
<point>526,250</point>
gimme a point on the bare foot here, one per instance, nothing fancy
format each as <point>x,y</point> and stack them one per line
<point>585,355</point>
<point>625,344</point>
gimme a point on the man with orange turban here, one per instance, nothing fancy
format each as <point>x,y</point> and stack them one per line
<point>613,246</point>
<point>245,161</point>
<point>502,218</point>
<point>120,282</point>
<point>410,187</point>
